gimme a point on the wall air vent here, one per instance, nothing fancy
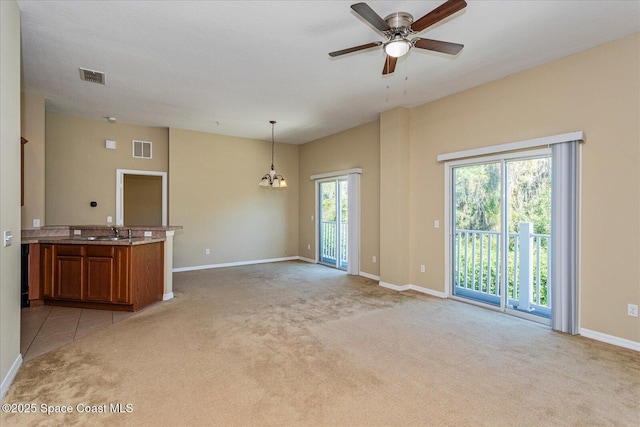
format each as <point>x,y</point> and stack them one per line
<point>92,76</point>
<point>141,149</point>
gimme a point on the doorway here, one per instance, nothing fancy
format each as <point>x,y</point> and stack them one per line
<point>501,232</point>
<point>142,200</point>
<point>333,216</point>
<point>141,197</point>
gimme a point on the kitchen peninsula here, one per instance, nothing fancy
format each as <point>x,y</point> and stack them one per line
<point>100,267</point>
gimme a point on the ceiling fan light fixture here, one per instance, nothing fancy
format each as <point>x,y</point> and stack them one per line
<point>397,47</point>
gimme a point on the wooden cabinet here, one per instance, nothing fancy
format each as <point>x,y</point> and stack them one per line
<point>35,290</point>
<point>99,275</point>
<point>121,288</point>
<point>68,282</point>
<point>102,276</point>
<point>47,269</point>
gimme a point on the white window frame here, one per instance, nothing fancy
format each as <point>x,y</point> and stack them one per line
<point>353,180</point>
<point>493,153</point>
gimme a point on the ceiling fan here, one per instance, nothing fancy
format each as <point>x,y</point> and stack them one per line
<point>399,26</point>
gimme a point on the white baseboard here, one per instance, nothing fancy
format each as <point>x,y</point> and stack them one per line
<point>167,297</point>
<point>428,291</point>
<point>234,264</point>
<point>369,276</point>
<point>413,288</point>
<point>309,260</point>
<point>8,379</point>
<point>610,339</point>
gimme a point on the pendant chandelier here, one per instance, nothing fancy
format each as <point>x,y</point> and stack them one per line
<point>272,179</point>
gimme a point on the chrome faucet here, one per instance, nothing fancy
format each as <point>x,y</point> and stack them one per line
<point>115,231</point>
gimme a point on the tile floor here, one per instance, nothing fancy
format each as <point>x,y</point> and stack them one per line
<point>46,327</point>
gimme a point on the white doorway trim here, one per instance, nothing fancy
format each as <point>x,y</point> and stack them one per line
<point>120,173</point>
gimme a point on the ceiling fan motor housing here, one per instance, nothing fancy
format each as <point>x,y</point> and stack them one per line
<point>400,21</point>
<point>397,43</point>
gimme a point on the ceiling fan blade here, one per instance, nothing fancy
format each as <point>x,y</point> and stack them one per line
<point>373,18</point>
<point>355,49</point>
<point>438,14</point>
<point>438,46</point>
<point>389,64</point>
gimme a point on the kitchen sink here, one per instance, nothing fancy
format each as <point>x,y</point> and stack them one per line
<point>101,238</point>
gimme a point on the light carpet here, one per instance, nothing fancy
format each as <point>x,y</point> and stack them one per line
<point>293,343</point>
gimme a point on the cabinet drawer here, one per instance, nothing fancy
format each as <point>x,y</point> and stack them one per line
<point>70,250</point>
<point>100,251</point>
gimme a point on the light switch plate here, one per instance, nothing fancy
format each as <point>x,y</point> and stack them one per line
<point>7,238</point>
<point>36,222</point>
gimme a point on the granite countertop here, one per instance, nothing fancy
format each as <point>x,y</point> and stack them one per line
<point>82,234</point>
<point>67,240</point>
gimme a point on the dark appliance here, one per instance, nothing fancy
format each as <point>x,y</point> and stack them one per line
<point>24,277</point>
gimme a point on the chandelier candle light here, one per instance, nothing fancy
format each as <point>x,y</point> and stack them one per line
<point>272,179</point>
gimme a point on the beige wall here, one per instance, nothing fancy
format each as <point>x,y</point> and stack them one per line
<point>34,161</point>
<point>213,182</point>
<point>395,198</point>
<point>355,148</point>
<point>9,190</point>
<point>214,193</point>
<point>596,91</point>
<point>79,169</point>
<point>142,200</point>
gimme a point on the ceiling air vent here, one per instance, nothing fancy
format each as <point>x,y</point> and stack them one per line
<point>92,76</point>
<point>141,149</point>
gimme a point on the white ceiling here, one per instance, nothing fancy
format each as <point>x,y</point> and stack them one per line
<point>229,67</point>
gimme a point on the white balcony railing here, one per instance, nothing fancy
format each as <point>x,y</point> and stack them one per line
<point>477,267</point>
<point>330,246</point>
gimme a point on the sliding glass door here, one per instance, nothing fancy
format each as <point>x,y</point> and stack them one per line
<point>333,222</point>
<point>500,240</point>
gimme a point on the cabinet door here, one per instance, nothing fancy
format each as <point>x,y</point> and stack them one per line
<point>99,279</point>
<point>69,278</point>
<point>121,268</point>
<point>47,269</point>
<point>35,290</point>
<point>99,276</point>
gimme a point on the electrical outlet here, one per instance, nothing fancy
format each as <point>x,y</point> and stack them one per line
<point>77,232</point>
<point>207,251</point>
<point>109,220</point>
<point>374,259</point>
<point>422,268</point>
<point>632,310</point>
<point>309,247</point>
<point>148,234</point>
<point>436,223</point>
<point>36,222</point>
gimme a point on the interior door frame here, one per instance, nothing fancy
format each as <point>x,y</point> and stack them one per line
<point>120,173</point>
<point>448,220</point>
